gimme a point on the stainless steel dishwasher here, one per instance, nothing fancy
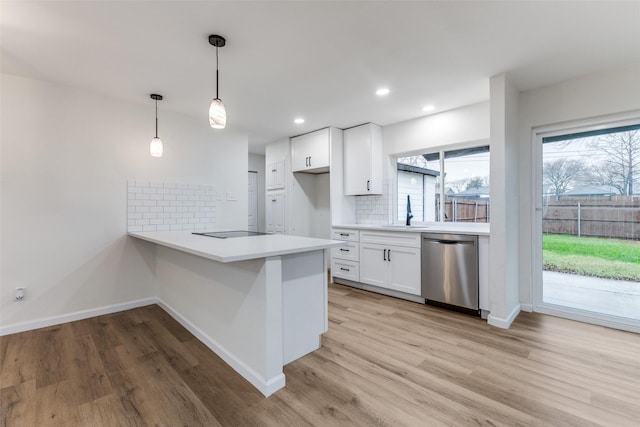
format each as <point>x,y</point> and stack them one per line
<point>450,271</point>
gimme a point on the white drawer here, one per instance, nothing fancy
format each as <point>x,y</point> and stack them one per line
<point>345,269</point>
<point>345,234</point>
<point>409,240</point>
<point>349,251</point>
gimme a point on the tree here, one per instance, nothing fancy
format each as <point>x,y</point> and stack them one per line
<point>560,174</point>
<point>476,182</point>
<point>621,166</point>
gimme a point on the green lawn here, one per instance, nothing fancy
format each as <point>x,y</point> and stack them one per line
<point>592,256</point>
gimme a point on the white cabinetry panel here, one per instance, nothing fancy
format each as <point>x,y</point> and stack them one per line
<point>392,262</point>
<point>275,175</point>
<point>276,213</point>
<point>345,269</point>
<point>363,160</point>
<point>404,274</point>
<point>374,269</point>
<point>310,152</point>
<point>483,272</point>
<point>350,252</point>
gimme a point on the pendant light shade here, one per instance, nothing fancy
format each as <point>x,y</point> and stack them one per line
<point>155,148</point>
<point>217,112</point>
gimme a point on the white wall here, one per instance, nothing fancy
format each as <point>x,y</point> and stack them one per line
<point>503,246</point>
<point>459,126</point>
<point>257,163</point>
<point>611,92</point>
<point>66,157</point>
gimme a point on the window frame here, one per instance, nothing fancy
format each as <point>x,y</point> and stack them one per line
<point>440,150</point>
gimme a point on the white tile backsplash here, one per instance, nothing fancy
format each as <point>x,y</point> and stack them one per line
<point>375,209</point>
<point>158,206</point>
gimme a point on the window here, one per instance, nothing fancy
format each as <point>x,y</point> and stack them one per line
<point>449,186</point>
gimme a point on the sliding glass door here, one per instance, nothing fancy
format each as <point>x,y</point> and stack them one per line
<point>588,224</point>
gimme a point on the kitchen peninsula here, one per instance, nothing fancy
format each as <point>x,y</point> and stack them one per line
<point>259,302</point>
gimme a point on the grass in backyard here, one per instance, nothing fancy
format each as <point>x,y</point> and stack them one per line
<point>592,256</point>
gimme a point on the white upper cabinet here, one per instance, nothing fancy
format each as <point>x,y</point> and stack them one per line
<point>363,160</point>
<point>310,152</point>
<point>275,175</point>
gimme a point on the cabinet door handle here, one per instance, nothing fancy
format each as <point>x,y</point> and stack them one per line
<point>389,255</point>
<point>344,234</point>
<point>306,161</point>
<point>344,250</point>
<point>344,269</point>
<point>273,200</point>
<point>368,185</point>
<point>309,161</point>
<point>384,256</point>
<point>273,170</point>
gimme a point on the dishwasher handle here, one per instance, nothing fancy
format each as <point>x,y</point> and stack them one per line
<point>450,242</point>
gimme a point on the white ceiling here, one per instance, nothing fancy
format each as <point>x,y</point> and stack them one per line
<point>319,60</point>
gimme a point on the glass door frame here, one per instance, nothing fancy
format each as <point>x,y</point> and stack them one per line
<point>538,134</point>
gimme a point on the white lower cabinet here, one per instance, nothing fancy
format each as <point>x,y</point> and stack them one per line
<point>275,213</point>
<point>345,259</point>
<point>391,267</point>
<point>349,270</point>
<point>373,265</point>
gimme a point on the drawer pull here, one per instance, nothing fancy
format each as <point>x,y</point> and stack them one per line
<point>344,234</point>
<point>344,269</point>
<point>344,250</point>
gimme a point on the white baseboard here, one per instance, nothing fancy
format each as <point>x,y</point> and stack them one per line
<point>526,307</point>
<point>78,315</point>
<point>501,322</point>
<point>266,387</point>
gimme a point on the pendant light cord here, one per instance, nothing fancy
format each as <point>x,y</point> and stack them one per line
<point>217,97</point>
<point>156,118</point>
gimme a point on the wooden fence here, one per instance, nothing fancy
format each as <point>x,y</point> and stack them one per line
<point>610,216</point>
<point>614,216</point>
<point>465,210</point>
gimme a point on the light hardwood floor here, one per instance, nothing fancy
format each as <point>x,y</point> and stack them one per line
<point>384,361</point>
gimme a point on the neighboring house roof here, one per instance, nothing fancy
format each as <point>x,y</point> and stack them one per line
<point>472,193</point>
<point>592,190</point>
<point>417,169</point>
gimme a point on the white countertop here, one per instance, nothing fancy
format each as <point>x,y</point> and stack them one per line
<point>478,229</point>
<point>236,248</point>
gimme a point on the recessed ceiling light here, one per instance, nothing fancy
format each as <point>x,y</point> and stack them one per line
<point>428,108</point>
<point>298,120</point>
<point>382,91</point>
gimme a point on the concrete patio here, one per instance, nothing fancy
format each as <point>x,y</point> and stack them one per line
<point>612,297</point>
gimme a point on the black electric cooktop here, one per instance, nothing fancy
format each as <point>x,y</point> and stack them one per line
<point>226,234</point>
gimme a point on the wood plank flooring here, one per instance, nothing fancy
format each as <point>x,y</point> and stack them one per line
<point>384,362</point>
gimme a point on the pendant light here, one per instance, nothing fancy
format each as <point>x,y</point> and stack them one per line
<point>155,148</point>
<point>217,112</point>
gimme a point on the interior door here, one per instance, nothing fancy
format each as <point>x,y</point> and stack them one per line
<point>252,220</point>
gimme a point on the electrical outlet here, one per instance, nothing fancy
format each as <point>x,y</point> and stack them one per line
<point>19,294</point>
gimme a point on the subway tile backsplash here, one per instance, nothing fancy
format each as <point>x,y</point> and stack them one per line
<point>158,206</point>
<point>375,209</point>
